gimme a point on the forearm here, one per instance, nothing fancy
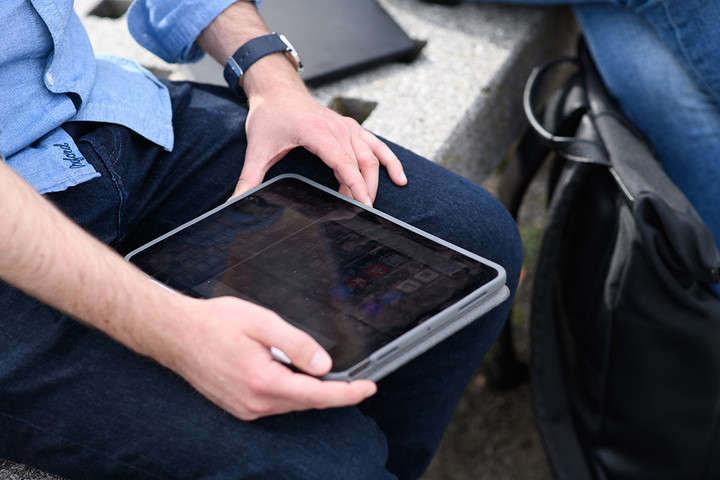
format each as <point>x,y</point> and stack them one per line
<point>236,25</point>
<point>89,281</point>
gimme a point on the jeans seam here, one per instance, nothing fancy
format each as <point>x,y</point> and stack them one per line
<point>101,151</point>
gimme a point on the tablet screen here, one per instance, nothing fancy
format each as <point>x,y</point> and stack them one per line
<point>353,279</point>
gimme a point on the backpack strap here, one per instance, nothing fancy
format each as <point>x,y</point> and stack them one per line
<point>575,148</point>
<point>564,115</point>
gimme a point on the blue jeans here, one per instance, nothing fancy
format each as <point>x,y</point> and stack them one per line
<point>76,403</point>
<point>661,60</point>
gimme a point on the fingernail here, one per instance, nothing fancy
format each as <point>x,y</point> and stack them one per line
<point>368,201</point>
<point>321,361</point>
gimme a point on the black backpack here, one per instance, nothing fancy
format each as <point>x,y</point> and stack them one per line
<point>625,334</point>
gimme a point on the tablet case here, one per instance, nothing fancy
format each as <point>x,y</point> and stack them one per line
<point>385,364</point>
<point>406,346</point>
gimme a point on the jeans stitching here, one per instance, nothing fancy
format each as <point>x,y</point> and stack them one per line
<point>101,152</point>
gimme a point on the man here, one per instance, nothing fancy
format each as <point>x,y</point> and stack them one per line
<point>100,367</point>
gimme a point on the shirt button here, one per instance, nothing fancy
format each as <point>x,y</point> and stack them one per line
<point>49,78</point>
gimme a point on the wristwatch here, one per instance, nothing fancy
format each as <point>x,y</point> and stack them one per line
<point>253,51</point>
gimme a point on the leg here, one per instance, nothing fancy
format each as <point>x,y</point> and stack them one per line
<point>662,100</point>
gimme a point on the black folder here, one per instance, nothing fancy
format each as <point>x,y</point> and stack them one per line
<point>337,38</point>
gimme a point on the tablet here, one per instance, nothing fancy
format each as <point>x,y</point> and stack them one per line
<point>373,291</point>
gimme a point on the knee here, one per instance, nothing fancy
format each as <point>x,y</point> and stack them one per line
<point>483,225</point>
<point>455,209</point>
<point>312,445</point>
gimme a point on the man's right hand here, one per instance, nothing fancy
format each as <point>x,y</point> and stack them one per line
<point>224,352</point>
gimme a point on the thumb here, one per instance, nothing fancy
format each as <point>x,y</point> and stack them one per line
<point>305,354</point>
<point>258,160</point>
<point>243,185</point>
<point>291,344</point>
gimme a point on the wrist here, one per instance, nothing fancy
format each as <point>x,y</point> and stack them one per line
<point>167,329</point>
<point>255,51</point>
<point>272,77</point>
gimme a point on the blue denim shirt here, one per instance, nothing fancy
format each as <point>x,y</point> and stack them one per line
<point>57,78</point>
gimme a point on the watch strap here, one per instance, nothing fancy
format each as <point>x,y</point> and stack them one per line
<point>251,52</point>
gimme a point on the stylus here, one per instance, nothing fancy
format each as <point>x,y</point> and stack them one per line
<point>280,356</point>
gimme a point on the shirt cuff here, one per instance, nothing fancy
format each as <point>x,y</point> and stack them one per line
<point>169,28</point>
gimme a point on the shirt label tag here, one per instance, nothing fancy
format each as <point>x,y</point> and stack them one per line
<point>53,163</point>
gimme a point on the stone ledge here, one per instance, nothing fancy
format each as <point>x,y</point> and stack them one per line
<point>459,104</point>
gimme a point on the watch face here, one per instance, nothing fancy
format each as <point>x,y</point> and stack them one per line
<point>292,54</point>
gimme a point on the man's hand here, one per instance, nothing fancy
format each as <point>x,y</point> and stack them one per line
<point>228,360</point>
<point>285,118</point>
<point>283,115</point>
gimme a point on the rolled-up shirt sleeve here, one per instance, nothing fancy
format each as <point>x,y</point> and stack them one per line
<point>169,28</point>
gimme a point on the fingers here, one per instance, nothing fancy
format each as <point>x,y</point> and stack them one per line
<point>337,148</point>
<point>368,165</point>
<point>386,157</point>
<point>358,171</point>
<point>276,389</point>
<point>229,361</point>
<point>301,349</point>
<point>279,390</point>
<point>295,392</point>
<point>354,154</point>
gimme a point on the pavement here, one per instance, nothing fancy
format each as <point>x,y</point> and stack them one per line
<point>458,104</point>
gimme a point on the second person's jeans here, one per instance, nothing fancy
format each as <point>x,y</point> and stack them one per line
<point>660,59</point>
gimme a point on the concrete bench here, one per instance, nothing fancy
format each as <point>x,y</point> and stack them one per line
<point>458,104</point>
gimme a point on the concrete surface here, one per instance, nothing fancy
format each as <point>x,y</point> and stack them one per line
<point>458,104</point>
